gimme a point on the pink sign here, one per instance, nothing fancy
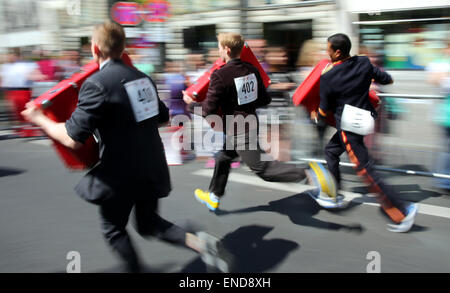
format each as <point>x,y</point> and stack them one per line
<point>131,13</point>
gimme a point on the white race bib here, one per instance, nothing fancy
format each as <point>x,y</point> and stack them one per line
<point>357,120</point>
<point>143,98</point>
<point>247,88</point>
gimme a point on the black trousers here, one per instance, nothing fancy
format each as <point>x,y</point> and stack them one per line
<point>114,215</point>
<point>354,145</point>
<point>274,171</point>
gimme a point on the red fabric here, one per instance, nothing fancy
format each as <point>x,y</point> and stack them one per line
<point>47,68</point>
<point>248,56</point>
<point>58,104</point>
<point>199,89</point>
<point>18,100</point>
<point>307,94</point>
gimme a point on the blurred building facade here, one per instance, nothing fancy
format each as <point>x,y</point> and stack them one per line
<point>405,31</point>
<point>390,27</point>
<point>408,34</point>
<point>50,24</point>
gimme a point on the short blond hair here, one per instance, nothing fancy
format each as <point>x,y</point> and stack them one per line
<point>308,52</point>
<point>234,41</point>
<point>110,37</point>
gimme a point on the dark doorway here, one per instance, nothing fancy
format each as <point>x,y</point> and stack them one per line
<point>200,38</point>
<point>290,35</point>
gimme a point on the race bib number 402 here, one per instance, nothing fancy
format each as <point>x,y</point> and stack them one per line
<point>143,98</point>
<point>247,88</point>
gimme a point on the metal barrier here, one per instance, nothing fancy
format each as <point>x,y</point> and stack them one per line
<point>413,138</point>
<point>387,169</point>
<point>408,96</point>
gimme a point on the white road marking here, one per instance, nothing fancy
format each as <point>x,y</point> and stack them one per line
<point>424,209</point>
<point>46,142</point>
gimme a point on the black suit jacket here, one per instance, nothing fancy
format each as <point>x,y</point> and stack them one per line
<point>349,83</point>
<point>132,159</point>
<point>222,93</point>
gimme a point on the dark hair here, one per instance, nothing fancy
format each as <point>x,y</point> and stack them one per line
<point>340,42</point>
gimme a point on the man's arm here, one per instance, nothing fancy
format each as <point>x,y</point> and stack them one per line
<point>211,104</point>
<point>87,115</point>
<point>264,98</point>
<point>163,116</point>
<point>54,130</point>
<point>325,93</point>
<point>381,77</point>
<point>84,120</point>
<point>163,111</point>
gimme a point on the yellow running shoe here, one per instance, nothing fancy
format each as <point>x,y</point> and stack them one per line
<point>207,198</point>
<point>322,179</point>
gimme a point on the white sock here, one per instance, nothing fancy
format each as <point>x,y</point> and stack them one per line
<point>213,196</point>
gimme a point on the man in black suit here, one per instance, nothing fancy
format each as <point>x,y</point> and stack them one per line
<point>121,105</point>
<point>344,93</point>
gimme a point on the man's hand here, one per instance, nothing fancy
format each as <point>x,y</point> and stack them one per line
<point>55,130</point>
<point>314,116</point>
<point>186,98</point>
<point>32,113</point>
<point>319,118</point>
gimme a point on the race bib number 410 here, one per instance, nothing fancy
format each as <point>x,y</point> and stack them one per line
<point>143,98</point>
<point>247,88</point>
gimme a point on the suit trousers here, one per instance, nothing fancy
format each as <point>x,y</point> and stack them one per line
<point>353,144</point>
<point>115,214</point>
<point>268,170</point>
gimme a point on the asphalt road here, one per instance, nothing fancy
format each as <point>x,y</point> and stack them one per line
<point>269,227</point>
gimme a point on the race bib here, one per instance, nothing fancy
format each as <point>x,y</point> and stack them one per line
<point>357,120</point>
<point>247,89</point>
<point>143,98</point>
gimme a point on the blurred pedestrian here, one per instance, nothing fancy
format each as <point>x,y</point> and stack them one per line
<point>17,77</point>
<point>238,90</point>
<point>47,66</point>
<point>175,81</point>
<point>140,62</point>
<point>281,105</point>
<point>195,63</point>
<point>48,69</point>
<point>381,121</point>
<point>310,54</point>
<point>344,91</point>
<point>439,76</point>
<point>69,63</point>
<point>258,47</point>
<point>18,73</point>
<point>133,171</point>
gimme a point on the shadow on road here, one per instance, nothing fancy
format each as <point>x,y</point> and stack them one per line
<point>10,171</point>
<point>409,192</point>
<point>300,209</point>
<point>251,252</point>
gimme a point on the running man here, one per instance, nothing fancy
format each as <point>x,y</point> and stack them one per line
<point>344,92</point>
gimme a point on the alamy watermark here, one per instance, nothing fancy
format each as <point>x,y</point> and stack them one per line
<point>74,264</point>
<point>374,266</point>
<point>240,133</point>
